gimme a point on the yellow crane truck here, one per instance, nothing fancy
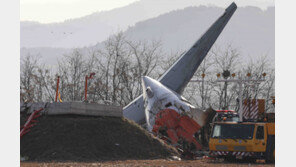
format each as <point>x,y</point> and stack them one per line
<point>243,140</point>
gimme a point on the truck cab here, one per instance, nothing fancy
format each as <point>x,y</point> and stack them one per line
<point>226,116</point>
<point>253,140</point>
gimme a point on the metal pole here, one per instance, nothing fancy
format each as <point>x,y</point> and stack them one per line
<point>86,78</point>
<point>202,98</point>
<point>57,90</point>
<point>240,81</point>
<point>225,96</point>
<point>85,91</point>
<point>240,100</point>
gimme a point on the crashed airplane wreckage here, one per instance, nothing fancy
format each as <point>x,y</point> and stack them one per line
<point>171,117</point>
<point>181,72</point>
<point>165,112</point>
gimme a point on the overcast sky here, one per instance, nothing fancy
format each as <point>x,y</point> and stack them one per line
<point>47,11</point>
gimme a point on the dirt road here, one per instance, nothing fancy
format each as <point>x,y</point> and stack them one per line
<point>158,162</point>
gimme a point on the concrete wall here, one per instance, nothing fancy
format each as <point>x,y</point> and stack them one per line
<point>78,108</point>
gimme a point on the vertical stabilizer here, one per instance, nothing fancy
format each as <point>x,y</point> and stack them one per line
<point>177,77</point>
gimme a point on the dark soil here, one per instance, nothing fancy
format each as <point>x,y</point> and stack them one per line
<point>156,163</point>
<point>86,139</point>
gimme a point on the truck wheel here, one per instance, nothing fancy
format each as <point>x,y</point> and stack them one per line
<point>250,160</point>
<point>230,159</point>
<point>270,149</point>
<point>270,156</point>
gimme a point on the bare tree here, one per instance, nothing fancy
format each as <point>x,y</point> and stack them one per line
<point>72,71</point>
<point>198,92</point>
<point>121,63</point>
<point>261,90</point>
<point>213,93</point>
<point>29,68</point>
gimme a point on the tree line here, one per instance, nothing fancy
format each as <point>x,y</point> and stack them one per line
<point>118,68</point>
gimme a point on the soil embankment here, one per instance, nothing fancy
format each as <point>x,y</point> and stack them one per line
<point>84,138</point>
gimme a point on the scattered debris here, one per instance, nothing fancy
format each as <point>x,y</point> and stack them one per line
<point>175,158</point>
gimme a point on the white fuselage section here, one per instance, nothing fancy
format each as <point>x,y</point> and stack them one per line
<point>158,97</point>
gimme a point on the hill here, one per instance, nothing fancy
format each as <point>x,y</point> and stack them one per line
<point>251,30</point>
<point>96,27</point>
<point>88,139</point>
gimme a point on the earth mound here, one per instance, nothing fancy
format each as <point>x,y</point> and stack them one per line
<point>87,138</point>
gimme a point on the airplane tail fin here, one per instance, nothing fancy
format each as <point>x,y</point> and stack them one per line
<point>231,7</point>
<point>181,72</point>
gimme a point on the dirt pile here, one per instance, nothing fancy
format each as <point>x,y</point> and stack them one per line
<point>83,138</point>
